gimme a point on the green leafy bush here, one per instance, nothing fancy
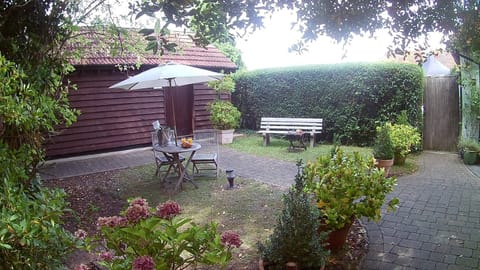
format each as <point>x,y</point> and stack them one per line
<point>225,85</point>
<point>31,235</point>
<point>295,237</point>
<point>224,115</point>
<point>383,146</point>
<point>404,137</point>
<point>157,237</point>
<point>468,144</point>
<point>346,186</point>
<point>351,98</point>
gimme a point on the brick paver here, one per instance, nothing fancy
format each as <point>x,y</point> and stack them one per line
<point>437,224</point>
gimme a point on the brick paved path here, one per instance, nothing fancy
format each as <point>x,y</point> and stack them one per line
<point>437,225</point>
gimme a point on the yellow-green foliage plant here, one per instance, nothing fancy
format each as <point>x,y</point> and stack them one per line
<point>404,137</point>
<point>348,186</point>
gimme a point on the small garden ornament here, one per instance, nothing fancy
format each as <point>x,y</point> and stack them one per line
<point>347,186</point>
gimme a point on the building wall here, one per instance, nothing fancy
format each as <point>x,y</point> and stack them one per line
<point>113,119</point>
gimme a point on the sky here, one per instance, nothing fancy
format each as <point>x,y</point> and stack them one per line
<point>268,47</point>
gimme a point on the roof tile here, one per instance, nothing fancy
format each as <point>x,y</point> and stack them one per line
<point>188,54</point>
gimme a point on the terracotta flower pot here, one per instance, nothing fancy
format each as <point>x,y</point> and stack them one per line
<point>386,164</point>
<point>336,239</point>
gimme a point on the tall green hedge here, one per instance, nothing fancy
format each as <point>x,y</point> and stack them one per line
<point>351,98</point>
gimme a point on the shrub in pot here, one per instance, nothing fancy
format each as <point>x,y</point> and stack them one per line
<point>224,115</point>
<point>470,149</point>
<point>383,149</point>
<point>404,137</point>
<point>295,237</point>
<point>347,186</point>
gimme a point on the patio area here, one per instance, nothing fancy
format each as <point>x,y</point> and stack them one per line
<point>436,226</point>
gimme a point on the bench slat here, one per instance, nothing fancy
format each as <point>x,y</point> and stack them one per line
<point>291,123</point>
<point>292,127</point>
<point>284,132</point>
<point>295,120</point>
<point>278,125</point>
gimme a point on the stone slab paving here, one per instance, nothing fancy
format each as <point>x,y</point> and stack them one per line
<point>437,225</point>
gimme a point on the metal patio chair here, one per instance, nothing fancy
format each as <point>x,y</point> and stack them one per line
<point>206,158</point>
<point>162,159</point>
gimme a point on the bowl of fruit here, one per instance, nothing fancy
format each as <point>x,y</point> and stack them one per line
<point>186,142</point>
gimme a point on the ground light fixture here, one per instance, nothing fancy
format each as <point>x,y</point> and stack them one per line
<point>230,178</point>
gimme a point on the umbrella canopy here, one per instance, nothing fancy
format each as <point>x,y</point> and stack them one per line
<point>169,74</point>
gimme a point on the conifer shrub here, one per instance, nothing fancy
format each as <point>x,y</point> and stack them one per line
<point>295,237</point>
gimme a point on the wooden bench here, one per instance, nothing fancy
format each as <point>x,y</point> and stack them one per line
<point>284,126</point>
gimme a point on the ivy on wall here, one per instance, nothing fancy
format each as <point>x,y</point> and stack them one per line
<point>351,98</point>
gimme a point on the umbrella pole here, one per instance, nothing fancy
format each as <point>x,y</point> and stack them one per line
<point>173,111</point>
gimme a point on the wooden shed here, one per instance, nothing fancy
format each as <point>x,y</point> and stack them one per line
<point>113,119</point>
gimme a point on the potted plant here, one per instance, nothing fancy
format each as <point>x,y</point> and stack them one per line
<point>295,239</point>
<point>224,115</point>
<point>404,137</point>
<point>469,148</point>
<point>383,149</point>
<point>347,186</point>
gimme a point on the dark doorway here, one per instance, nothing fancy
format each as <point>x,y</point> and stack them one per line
<point>183,103</point>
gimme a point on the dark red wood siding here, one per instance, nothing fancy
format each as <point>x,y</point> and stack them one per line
<point>110,118</point>
<point>113,119</point>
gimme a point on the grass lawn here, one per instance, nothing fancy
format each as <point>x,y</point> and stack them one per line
<point>253,144</point>
<point>251,209</point>
<point>277,149</point>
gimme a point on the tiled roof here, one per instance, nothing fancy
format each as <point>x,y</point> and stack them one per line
<point>187,54</point>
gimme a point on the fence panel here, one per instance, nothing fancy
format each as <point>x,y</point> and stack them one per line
<point>441,113</point>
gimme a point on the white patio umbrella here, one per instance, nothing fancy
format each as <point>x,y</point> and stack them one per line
<point>168,75</point>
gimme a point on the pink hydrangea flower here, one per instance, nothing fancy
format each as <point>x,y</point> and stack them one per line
<point>230,238</point>
<point>112,222</point>
<point>139,201</point>
<point>80,234</point>
<point>81,267</point>
<point>168,209</point>
<point>143,263</point>
<point>137,212</point>
<point>106,256</point>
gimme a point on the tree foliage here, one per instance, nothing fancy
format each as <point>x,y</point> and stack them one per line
<point>33,102</point>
